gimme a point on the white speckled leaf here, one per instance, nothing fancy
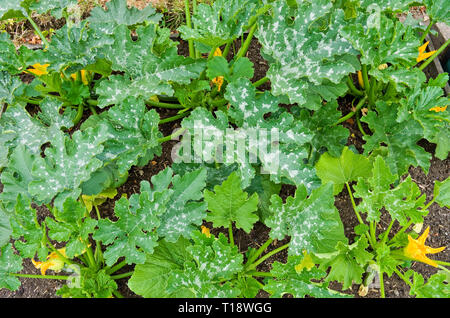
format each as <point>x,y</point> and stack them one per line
<point>303,55</point>
<point>220,22</point>
<point>215,260</point>
<point>118,13</point>
<point>313,223</point>
<point>184,211</point>
<point>56,7</point>
<point>132,134</point>
<point>68,162</point>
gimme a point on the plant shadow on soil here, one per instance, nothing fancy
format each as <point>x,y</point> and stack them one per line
<point>438,218</point>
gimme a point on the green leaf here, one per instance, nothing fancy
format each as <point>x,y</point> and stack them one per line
<point>348,263</point>
<point>403,201</point>
<point>26,227</point>
<point>386,41</point>
<point>73,49</point>
<point>184,212</point>
<point>16,177</point>
<point>221,22</point>
<point>5,227</point>
<point>118,13</point>
<point>309,58</point>
<point>246,108</point>
<point>55,7</point>
<point>8,87</point>
<point>219,66</point>
<point>68,162</point>
<point>348,167</point>
<point>436,11</point>
<point>387,5</point>
<point>322,127</point>
<point>89,284</point>
<point>313,222</point>
<point>150,280</point>
<point>214,261</point>
<point>71,225</point>
<point>147,72</point>
<point>132,134</point>
<point>26,130</point>
<point>435,287</point>
<point>229,203</point>
<point>137,220</point>
<point>419,106</point>
<point>442,192</point>
<point>50,114</point>
<point>297,283</point>
<point>10,9</point>
<point>401,139</point>
<point>10,263</point>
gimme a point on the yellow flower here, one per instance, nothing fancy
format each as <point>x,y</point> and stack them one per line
<point>54,262</point>
<point>422,54</point>
<point>38,69</point>
<point>417,250</point>
<point>217,52</point>
<point>205,231</point>
<point>438,109</point>
<point>218,81</point>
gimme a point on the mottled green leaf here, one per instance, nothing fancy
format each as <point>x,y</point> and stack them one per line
<point>313,222</point>
<point>10,263</point>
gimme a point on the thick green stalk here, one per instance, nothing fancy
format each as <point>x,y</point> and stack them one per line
<point>230,233</point>
<point>266,256</point>
<point>381,284</point>
<point>173,118</point>
<point>124,275</point>
<point>430,59</point>
<point>79,114</point>
<point>259,274</point>
<point>164,105</point>
<point>116,267</point>
<point>170,137</point>
<point>365,77</point>
<point>187,10</point>
<point>259,252</point>
<point>353,88</point>
<point>41,276</point>
<point>261,81</point>
<point>226,50</point>
<point>244,48</point>
<point>38,31</point>
<point>424,35</point>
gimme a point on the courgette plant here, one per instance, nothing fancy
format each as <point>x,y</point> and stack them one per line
<point>79,114</point>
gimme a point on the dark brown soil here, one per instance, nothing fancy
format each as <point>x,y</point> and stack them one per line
<point>438,218</point>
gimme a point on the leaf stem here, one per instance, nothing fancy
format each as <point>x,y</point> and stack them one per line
<point>120,276</point>
<point>40,276</point>
<point>187,11</point>
<point>116,267</point>
<point>360,127</point>
<point>407,281</point>
<point>259,252</point>
<point>266,256</point>
<point>380,273</point>
<point>38,31</point>
<point>173,118</point>
<point>79,115</point>
<point>244,48</point>
<point>230,233</point>
<point>261,81</point>
<point>170,137</point>
<point>164,105</point>
<point>353,88</point>
<point>424,35</point>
